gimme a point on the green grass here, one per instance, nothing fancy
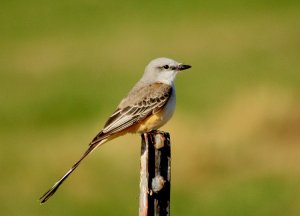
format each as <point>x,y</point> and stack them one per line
<point>64,66</point>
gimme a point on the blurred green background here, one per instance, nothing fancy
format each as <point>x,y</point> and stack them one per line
<point>65,65</point>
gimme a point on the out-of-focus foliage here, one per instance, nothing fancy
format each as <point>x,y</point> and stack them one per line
<point>65,65</point>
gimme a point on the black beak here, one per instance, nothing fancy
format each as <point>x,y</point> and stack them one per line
<point>183,67</point>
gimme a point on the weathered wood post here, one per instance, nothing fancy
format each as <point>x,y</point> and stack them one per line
<point>155,174</point>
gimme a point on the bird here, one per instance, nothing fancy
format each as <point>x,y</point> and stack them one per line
<point>148,106</point>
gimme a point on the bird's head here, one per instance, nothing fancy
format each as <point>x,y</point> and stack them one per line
<point>163,70</point>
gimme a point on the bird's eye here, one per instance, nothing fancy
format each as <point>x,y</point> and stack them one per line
<point>166,66</point>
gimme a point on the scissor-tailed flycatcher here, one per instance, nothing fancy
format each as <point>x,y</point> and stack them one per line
<point>148,106</point>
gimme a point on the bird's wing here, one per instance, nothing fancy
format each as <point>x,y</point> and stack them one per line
<point>138,105</point>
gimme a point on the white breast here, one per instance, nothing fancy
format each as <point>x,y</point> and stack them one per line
<point>168,110</point>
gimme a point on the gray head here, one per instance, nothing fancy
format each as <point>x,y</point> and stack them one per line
<point>163,70</point>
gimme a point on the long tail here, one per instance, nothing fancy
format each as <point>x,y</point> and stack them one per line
<point>54,188</point>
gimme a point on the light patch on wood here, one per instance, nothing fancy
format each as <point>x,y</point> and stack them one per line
<point>157,183</point>
<point>159,141</point>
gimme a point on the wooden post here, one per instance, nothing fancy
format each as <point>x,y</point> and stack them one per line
<point>155,174</point>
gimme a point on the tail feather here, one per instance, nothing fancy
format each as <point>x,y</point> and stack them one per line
<point>54,188</point>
